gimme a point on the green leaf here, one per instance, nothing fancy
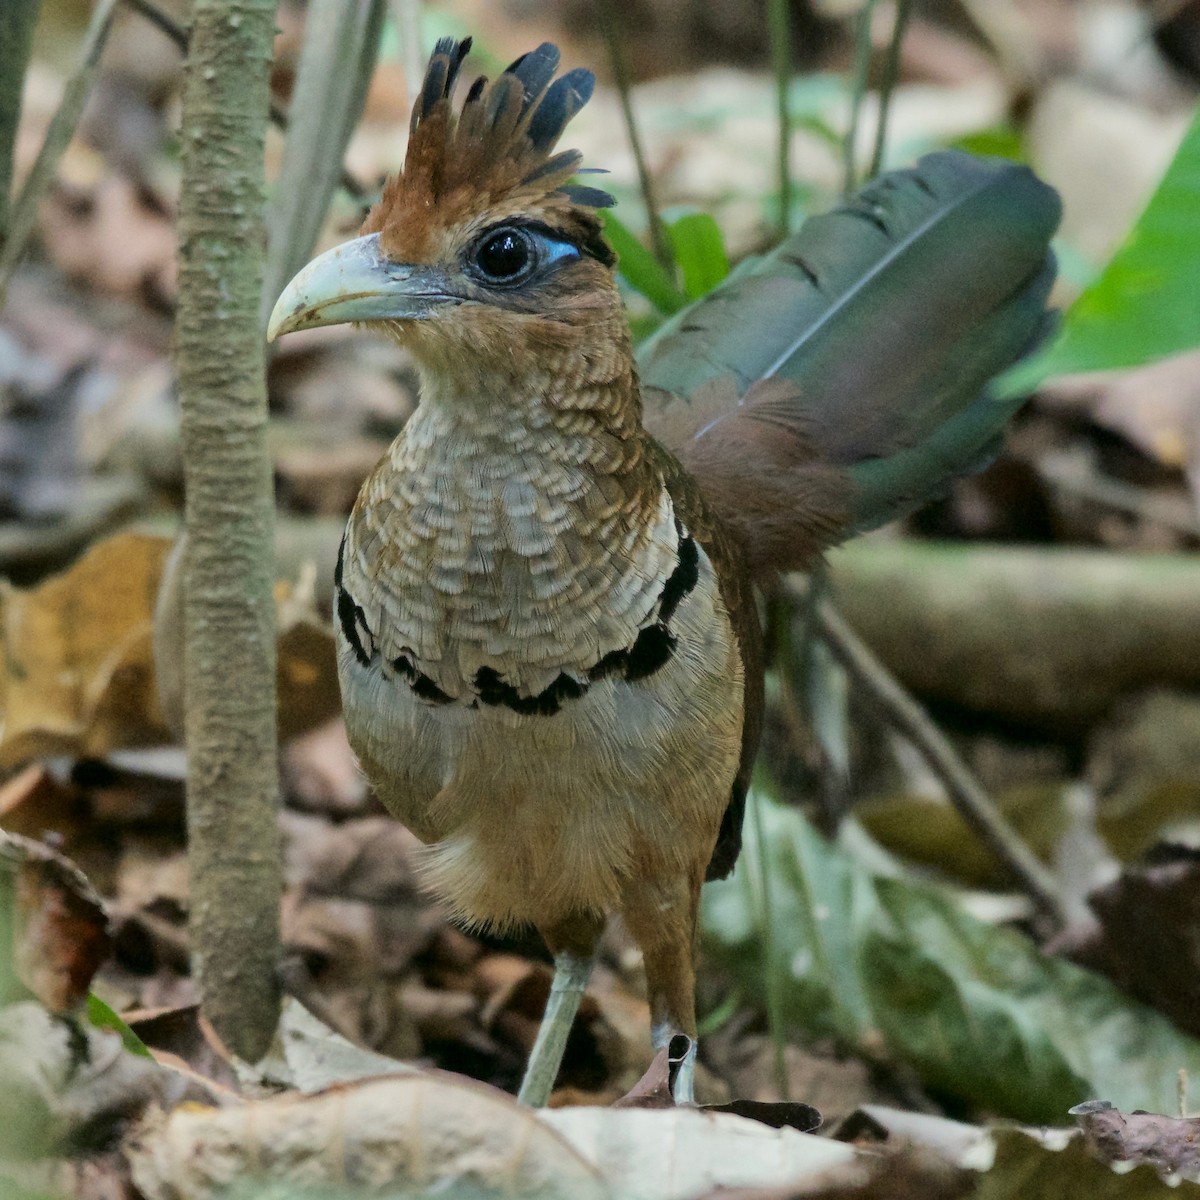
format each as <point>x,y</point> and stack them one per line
<point>640,269</point>
<point>699,251</point>
<point>103,1017</point>
<point>898,971</point>
<point>1146,303</point>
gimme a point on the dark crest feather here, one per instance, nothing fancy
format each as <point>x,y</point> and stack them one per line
<point>565,97</point>
<point>498,148</point>
<point>535,69</point>
<point>440,76</point>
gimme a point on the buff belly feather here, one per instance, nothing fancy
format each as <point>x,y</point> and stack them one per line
<point>510,833</point>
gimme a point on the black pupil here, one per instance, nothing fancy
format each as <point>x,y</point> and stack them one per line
<point>505,255</point>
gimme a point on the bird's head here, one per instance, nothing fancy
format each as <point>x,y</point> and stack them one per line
<point>479,251</point>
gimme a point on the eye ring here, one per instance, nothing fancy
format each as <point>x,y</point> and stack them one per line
<point>506,255</point>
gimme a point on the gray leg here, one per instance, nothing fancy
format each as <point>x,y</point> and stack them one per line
<point>684,1090</point>
<point>571,972</point>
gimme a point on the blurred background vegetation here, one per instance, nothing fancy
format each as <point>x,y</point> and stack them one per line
<point>1037,628</point>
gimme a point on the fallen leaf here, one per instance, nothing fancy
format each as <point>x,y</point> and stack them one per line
<point>60,932</point>
<point>426,1130</point>
<point>77,673</point>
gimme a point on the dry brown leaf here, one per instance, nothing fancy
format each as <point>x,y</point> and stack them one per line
<point>60,932</point>
<point>77,673</point>
<point>33,803</point>
<point>422,1129</point>
<point>321,774</point>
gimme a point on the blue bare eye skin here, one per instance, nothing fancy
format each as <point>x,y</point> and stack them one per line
<point>512,254</point>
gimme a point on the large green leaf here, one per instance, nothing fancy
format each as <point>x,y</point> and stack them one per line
<point>897,969</point>
<point>1146,303</point>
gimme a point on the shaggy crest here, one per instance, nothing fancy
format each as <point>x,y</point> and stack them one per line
<point>494,158</point>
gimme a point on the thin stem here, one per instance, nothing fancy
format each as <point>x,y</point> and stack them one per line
<point>58,137</point>
<point>858,90</point>
<point>17,19</point>
<point>964,790</point>
<point>774,989</point>
<point>780,30</point>
<point>165,23</point>
<point>891,72</point>
<point>659,242</point>
<point>407,17</point>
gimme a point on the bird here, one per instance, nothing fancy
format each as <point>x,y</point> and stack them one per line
<point>549,644</point>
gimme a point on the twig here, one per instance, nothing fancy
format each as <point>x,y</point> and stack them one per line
<point>891,71</point>
<point>337,60</point>
<point>774,973</point>
<point>858,90</point>
<point>658,237</point>
<point>406,14</point>
<point>234,857</point>
<point>17,19</point>
<point>965,792</point>
<point>780,29</point>
<point>58,137</point>
<point>165,23</point>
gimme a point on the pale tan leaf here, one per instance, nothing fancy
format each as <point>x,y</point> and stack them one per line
<point>423,1130</point>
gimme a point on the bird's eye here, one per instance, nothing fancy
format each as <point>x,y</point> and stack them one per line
<point>506,256</point>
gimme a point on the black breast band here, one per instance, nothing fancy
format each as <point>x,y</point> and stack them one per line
<point>650,652</point>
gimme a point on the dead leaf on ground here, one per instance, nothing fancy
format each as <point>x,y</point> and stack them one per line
<point>60,932</point>
<point>421,1130</point>
<point>35,802</point>
<point>184,1036</point>
<point>321,774</point>
<point>77,673</point>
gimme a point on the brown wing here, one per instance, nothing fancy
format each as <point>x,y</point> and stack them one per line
<point>733,578</point>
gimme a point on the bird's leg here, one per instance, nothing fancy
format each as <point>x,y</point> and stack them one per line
<point>573,944</point>
<point>662,920</point>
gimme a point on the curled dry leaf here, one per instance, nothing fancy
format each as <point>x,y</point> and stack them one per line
<point>76,673</point>
<point>60,932</point>
<point>421,1130</point>
<point>670,1154</point>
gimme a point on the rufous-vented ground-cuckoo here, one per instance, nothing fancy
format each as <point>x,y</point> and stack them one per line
<point>549,650</point>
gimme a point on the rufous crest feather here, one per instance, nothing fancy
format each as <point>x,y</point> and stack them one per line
<point>493,159</point>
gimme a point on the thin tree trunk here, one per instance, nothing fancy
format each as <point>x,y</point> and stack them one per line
<point>229,656</point>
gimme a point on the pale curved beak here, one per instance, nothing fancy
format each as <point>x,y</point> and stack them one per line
<point>355,282</point>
